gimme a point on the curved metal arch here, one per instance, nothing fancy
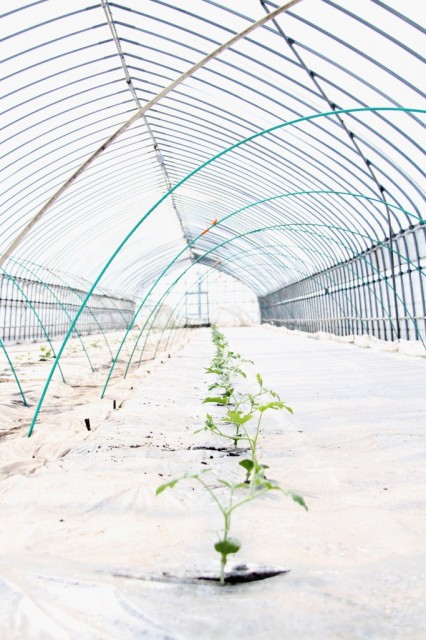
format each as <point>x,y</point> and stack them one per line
<point>320,168</point>
<point>361,257</point>
<point>228,171</point>
<point>363,221</point>
<point>382,67</point>
<point>74,198</point>
<point>395,167</point>
<point>315,75</point>
<point>329,147</point>
<point>54,75</point>
<point>378,300</point>
<point>376,29</point>
<point>197,260</point>
<point>79,297</point>
<point>212,250</point>
<point>266,156</point>
<point>346,250</point>
<point>59,302</point>
<point>31,306</point>
<point>82,117</point>
<point>61,101</point>
<point>46,43</point>
<point>64,166</point>
<point>45,22</point>
<point>60,55</point>
<point>54,90</point>
<point>314,192</point>
<point>76,218</point>
<point>221,268</point>
<point>347,161</point>
<point>14,372</point>
<point>58,220</point>
<point>132,231</point>
<point>136,116</point>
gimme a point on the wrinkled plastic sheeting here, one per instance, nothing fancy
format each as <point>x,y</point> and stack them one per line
<point>51,607</point>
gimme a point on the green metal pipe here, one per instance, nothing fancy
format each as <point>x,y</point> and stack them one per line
<point>236,257</point>
<point>15,375</point>
<point>250,233</point>
<point>251,205</point>
<point>81,296</point>
<point>29,303</point>
<point>59,303</point>
<point>172,190</point>
<point>117,308</point>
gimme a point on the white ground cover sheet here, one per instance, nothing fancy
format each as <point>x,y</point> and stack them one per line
<point>85,543</point>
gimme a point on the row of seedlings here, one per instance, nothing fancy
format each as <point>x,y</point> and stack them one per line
<point>241,425</point>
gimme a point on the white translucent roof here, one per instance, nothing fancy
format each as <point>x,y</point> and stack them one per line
<point>296,200</point>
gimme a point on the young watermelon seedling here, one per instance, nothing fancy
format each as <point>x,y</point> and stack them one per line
<point>227,545</point>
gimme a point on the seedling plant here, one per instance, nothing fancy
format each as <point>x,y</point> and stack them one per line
<point>244,414</point>
<point>246,407</point>
<point>226,365</point>
<point>45,353</point>
<point>235,496</point>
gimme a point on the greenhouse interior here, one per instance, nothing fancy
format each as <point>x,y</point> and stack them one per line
<point>212,320</point>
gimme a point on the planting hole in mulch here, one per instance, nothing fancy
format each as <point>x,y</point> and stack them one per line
<point>230,451</point>
<point>238,575</point>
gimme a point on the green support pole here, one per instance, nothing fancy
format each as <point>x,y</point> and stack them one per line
<point>344,229</point>
<point>88,308</point>
<point>172,190</point>
<point>29,303</point>
<point>59,303</point>
<point>236,257</point>
<point>15,375</point>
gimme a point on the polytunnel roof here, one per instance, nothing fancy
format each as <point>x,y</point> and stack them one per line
<point>297,148</point>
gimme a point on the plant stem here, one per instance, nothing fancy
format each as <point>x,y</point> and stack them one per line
<point>223,560</point>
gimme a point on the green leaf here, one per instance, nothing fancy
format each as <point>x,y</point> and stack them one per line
<point>225,483</point>
<point>237,417</point>
<point>272,405</point>
<point>266,484</point>
<point>240,485</point>
<point>225,547</point>
<point>246,464</point>
<point>187,476</point>
<point>299,500</point>
<point>209,422</point>
<point>216,399</point>
<point>259,379</point>
<point>167,485</point>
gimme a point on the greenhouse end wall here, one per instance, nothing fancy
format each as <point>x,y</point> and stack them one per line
<point>362,296</point>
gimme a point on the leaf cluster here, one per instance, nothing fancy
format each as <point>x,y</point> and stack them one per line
<point>45,353</point>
